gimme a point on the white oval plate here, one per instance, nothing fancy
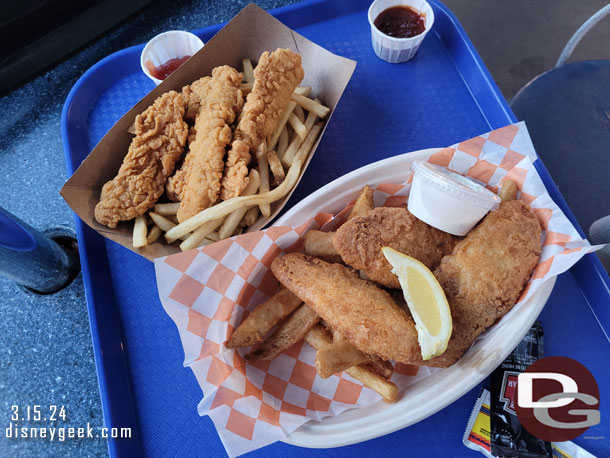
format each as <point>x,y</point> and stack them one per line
<point>438,390</point>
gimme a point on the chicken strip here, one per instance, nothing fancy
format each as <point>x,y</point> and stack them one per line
<point>360,311</point>
<point>159,142</point>
<point>197,183</point>
<point>486,273</point>
<point>194,94</point>
<point>359,242</point>
<point>275,78</point>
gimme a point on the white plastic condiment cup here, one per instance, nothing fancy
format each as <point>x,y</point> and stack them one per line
<point>166,46</point>
<point>448,201</point>
<point>392,49</point>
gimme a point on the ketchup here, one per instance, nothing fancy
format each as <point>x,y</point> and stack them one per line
<point>400,22</point>
<point>164,70</point>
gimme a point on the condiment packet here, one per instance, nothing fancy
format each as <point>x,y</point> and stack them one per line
<point>477,434</point>
<point>508,438</point>
<point>208,291</point>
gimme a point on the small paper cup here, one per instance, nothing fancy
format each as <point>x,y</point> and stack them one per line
<point>166,46</point>
<point>395,50</point>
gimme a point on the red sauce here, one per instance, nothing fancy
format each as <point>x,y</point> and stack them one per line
<point>164,70</point>
<point>401,22</point>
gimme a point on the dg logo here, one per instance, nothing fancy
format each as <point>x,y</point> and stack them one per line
<point>557,399</point>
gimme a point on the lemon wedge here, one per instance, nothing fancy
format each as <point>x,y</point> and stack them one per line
<point>426,300</point>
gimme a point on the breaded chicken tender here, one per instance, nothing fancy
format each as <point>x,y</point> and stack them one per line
<point>359,242</point>
<point>360,311</point>
<point>275,78</point>
<point>486,273</point>
<point>159,142</point>
<point>197,183</point>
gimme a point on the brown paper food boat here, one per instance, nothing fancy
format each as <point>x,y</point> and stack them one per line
<point>248,34</point>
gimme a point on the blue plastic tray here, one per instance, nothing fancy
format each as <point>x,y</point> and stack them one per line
<point>442,96</point>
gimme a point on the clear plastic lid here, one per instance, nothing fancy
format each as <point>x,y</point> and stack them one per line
<point>456,185</point>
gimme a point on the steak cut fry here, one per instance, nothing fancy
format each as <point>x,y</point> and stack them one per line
<point>290,332</point>
<point>254,328</point>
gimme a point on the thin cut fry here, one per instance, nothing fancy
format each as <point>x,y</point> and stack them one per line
<point>364,203</point>
<point>164,223</point>
<point>213,236</point>
<point>167,209</point>
<point>194,240</point>
<point>303,90</point>
<point>248,70</point>
<point>298,126</point>
<point>318,337</point>
<point>337,357</point>
<point>282,143</point>
<point>232,221</point>
<point>228,206</point>
<point>276,167</point>
<point>290,332</point>
<point>172,218</point>
<point>256,326</point>
<point>263,171</point>
<point>310,105</point>
<point>281,124</point>
<point>154,234</point>
<point>320,244</point>
<point>299,113</point>
<point>139,232</point>
<point>296,142</point>
<point>508,191</point>
<point>251,215</point>
<point>307,145</point>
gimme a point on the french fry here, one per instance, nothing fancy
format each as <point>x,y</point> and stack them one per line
<point>172,218</point>
<point>206,230</point>
<point>307,145</point>
<point>282,143</point>
<point>281,124</point>
<point>256,326</point>
<point>154,234</point>
<point>276,167</point>
<point>296,142</point>
<point>248,70</point>
<point>263,171</point>
<point>251,215</point>
<point>310,105</point>
<point>230,205</point>
<point>246,87</point>
<point>303,90</point>
<point>232,221</point>
<point>167,209</point>
<point>298,126</point>
<point>318,337</point>
<point>508,191</point>
<point>296,326</point>
<point>213,236</point>
<point>337,357</point>
<point>164,223</point>
<point>299,113</point>
<point>139,232</point>
<point>320,244</point>
<point>237,231</point>
<point>364,203</point>
<point>381,367</point>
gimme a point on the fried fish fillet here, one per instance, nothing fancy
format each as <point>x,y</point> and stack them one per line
<point>159,142</point>
<point>360,311</point>
<point>359,242</point>
<point>275,78</point>
<point>486,273</point>
<point>197,183</point>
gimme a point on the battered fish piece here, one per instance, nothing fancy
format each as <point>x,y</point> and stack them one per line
<point>197,183</point>
<point>159,142</point>
<point>275,78</point>
<point>359,242</point>
<point>360,311</point>
<point>484,276</point>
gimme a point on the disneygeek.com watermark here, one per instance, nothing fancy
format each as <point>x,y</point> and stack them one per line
<point>36,416</point>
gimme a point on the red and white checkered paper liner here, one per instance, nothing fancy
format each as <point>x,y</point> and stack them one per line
<point>210,290</point>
